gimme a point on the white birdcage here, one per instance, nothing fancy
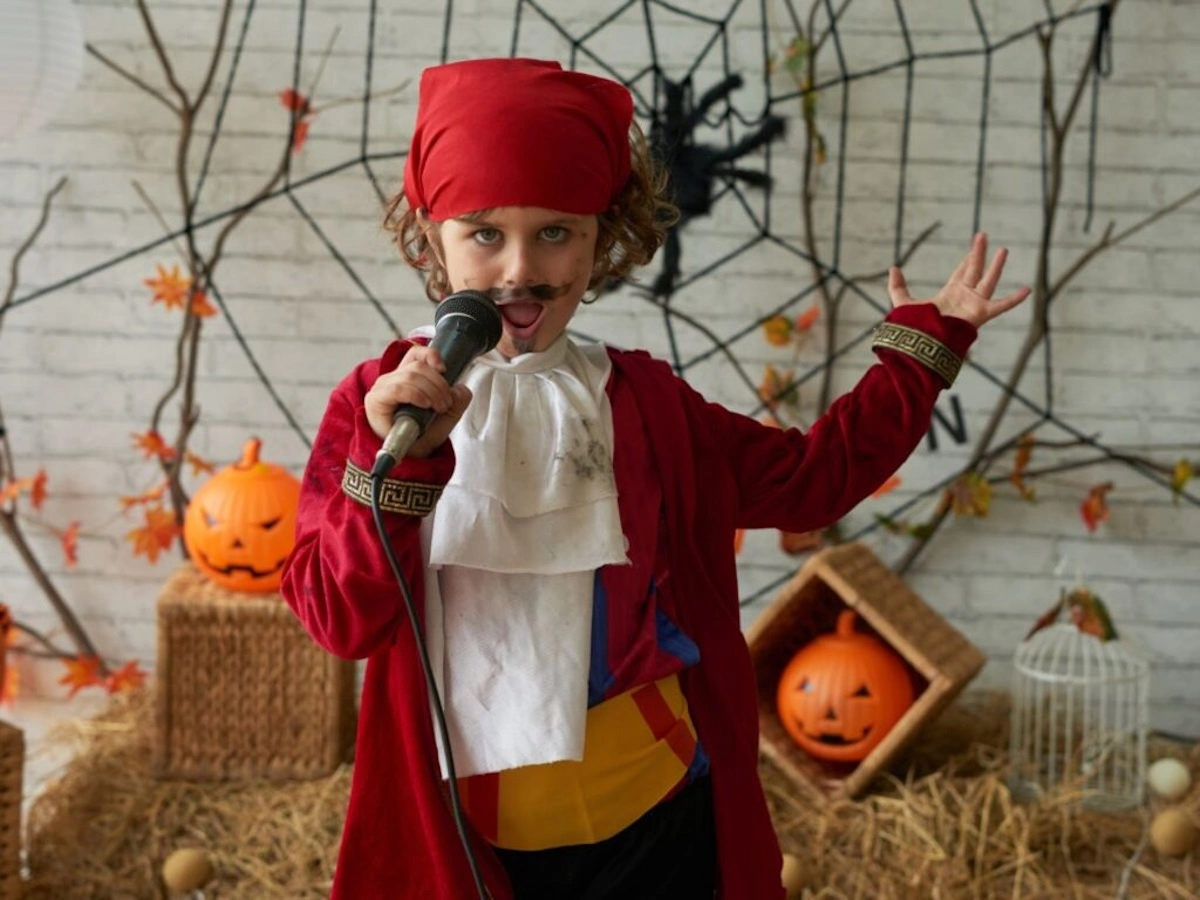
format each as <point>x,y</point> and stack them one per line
<point>1079,718</point>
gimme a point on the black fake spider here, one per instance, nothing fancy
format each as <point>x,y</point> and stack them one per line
<point>693,168</point>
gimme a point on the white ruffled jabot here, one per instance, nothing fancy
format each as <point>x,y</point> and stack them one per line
<point>512,548</point>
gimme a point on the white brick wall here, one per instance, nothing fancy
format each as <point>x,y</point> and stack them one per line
<point>80,369</point>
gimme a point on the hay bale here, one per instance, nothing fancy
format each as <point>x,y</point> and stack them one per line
<point>946,829</point>
<point>949,828</point>
<point>104,828</point>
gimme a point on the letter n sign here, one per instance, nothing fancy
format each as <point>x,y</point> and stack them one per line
<point>956,427</point>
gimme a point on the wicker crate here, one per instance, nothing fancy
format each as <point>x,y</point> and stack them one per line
<point>12,771</point>
<point>940,659</point>
<point>242,690</point>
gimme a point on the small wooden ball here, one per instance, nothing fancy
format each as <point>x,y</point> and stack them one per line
<point>1173,833</point>
<point>790,875</point>
<point>1168,778</point>
<point>187,869</point>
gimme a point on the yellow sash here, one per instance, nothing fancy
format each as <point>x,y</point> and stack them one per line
<point>637,749</point>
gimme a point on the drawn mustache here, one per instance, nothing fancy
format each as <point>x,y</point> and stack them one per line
<point>532,292</point>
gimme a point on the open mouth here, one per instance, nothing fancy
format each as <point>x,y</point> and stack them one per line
<point>521,319</point>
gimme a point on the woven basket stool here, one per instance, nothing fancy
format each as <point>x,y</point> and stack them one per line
<point>242,691</point>
<point>12,770</point>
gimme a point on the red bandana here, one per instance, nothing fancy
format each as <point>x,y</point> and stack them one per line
<point>517,132</point>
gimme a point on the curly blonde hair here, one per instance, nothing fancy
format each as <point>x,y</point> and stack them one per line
<point>630,231</point>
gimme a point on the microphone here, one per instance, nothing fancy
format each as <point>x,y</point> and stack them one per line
<point>466,325</point>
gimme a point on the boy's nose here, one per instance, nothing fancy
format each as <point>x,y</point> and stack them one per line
<point>519,265</point>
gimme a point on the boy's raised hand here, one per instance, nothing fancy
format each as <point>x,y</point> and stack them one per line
<point>968,293</point>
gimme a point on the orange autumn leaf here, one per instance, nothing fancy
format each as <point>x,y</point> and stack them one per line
<point>156,535</point>
<point>201,307</point>
<point>13,489</point>
<point>151,443</point>
<point>127,678</point>
<point>152,496</point>
<point>37,490</point>
<point>1094,508</point>
<point>294,101</point>
<point>892,482</point>
<point>777,330</point>
<point>1024,452</point>
<point>82,672</point>
<point>739,539</point>
<point>170,287</point>
<point>11,686</point>
<point>808,318</point>
<point>300,135</point>
<point>69,538</point>
<point>199,464</point>
<point>1020,464</point>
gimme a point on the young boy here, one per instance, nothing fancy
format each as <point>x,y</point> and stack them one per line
<point>566,523</point>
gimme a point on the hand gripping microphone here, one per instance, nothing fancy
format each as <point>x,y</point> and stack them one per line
<point>466,325</point>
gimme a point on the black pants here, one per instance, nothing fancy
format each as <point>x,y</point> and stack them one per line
<point>667,854</point>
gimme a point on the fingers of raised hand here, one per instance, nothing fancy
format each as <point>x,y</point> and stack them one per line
<point>961,271</point>
<point>972,264</point>
<point>1003,304</point>
<point>987,284</point>
<point>898,287</point>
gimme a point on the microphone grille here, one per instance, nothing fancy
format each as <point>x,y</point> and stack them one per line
<point>477,306</point>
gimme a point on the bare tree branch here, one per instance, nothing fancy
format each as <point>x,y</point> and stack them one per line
<point>52,650</point>
<point>14,269</point>
<point>214,63</point>
<point>1044,288</point>
<point>1108,240</point>
<point>8,516</point>
<point>1086,74</point>
<point>129,76</point>
<point>163,59</point>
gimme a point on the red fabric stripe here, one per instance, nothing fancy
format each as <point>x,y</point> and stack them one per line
<point>654,710</point>
<point>658,716</point>
<point>481,798</point>
<point>684,745</point>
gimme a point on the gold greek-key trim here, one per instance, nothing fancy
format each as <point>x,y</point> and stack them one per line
<point>921,347</point>
<point>409,497</point>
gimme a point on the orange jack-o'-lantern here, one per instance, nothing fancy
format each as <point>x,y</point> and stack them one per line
<point>842,693</point>
<point>241,523</point>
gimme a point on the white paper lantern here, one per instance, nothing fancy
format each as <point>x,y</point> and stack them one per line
<point>41,56</point>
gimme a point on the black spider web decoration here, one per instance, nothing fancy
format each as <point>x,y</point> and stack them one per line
<point>724,124</point>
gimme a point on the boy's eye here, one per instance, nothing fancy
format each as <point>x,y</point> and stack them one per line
<point>486,235</point>
<point>554,233</point>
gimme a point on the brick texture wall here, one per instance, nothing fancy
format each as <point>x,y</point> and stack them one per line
<point>82,367</point>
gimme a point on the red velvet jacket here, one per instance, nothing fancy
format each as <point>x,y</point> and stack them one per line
<point>717,471</point>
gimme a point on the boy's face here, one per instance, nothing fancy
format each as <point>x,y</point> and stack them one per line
<point>535,263</point>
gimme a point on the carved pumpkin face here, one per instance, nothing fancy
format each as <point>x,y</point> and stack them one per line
<point>241,524</point>
<point>842,693</point>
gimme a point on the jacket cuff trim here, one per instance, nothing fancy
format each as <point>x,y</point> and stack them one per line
<point>412,498</point>
<point>925,349</point>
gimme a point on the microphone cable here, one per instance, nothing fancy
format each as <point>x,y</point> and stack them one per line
<point>431,684</point>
